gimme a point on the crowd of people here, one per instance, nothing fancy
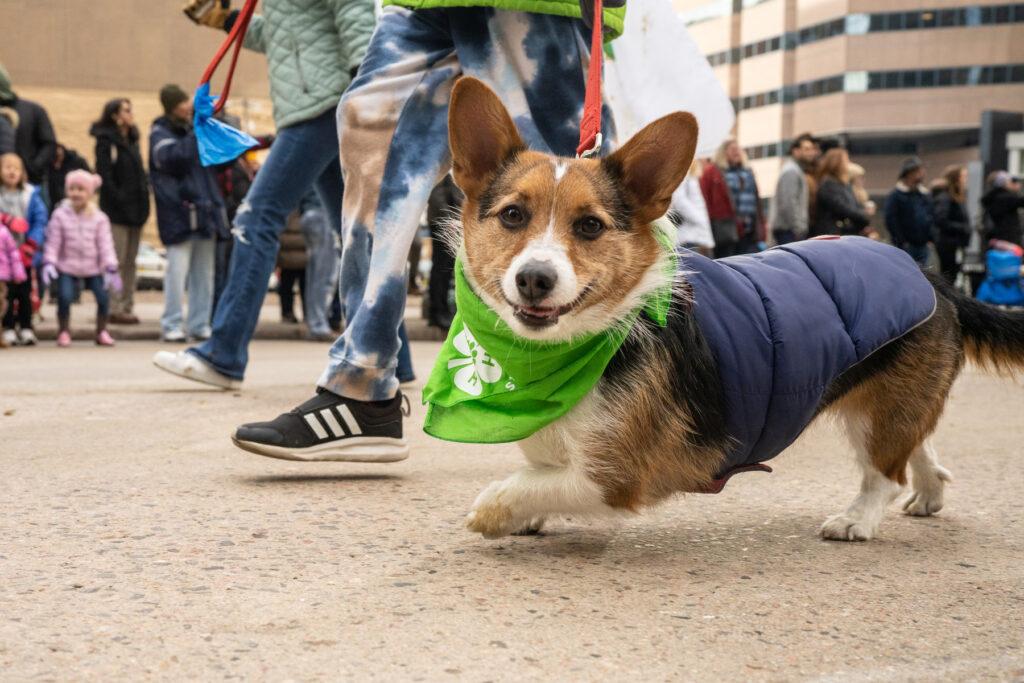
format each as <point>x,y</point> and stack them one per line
<point>718,209</point>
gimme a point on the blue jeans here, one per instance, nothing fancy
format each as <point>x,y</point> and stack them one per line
<point>189,264</point>
<point>302,155</point>
<point>66,295</point>
<point>393,135</point>
<point>322,259</point>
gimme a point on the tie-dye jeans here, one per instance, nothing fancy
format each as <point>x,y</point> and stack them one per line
<point>393,134</point>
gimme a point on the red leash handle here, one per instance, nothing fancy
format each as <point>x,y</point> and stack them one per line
<point>237,37</point>
<point>590,125</point>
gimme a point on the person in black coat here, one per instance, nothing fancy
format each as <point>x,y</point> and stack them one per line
<point>34,139</point>
<point>952,225</point>
<point>64,161</point>
<point>190,212</point>
<point>1002,204</point>
<point>444,204</point>
<point>8,124</point>
<point>124,195</point>
<point>909,217</point>
<point>836,209</point>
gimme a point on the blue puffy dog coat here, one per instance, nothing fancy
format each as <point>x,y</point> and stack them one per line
<point>785,323</point>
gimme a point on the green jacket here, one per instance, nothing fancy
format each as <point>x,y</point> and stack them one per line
<point>614,19</point>
<point>313,47</point>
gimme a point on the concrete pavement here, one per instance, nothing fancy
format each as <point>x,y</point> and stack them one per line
<point>137,543</point>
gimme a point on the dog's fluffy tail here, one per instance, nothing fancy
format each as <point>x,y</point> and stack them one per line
<point>993,337</point>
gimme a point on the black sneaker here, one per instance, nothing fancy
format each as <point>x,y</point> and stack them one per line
<point>331,428</point>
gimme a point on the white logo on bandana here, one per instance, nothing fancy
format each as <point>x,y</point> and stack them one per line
<point>476,368</point>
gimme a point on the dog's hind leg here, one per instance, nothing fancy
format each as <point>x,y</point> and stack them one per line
<point>929,480</point>
<point>861,519</point>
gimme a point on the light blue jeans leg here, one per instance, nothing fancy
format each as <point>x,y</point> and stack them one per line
<point>179,256</point>
<point>200,286</point>
<point>322,260</point>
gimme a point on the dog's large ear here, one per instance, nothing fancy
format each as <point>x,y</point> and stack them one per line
<point>654,162</point>
<point>481,133</point>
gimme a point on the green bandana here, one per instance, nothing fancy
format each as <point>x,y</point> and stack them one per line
<point>491,386</point>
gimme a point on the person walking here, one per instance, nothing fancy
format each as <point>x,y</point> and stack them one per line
<point>952,223</point>
<point>733,201</point>
<point>189,212</point>
<point>80,246</point>
<point>313,49</point>
<point>124,195</point>
<point>908,212</point>
<point>789,213</point>
<point>393,124</point>
<point>1002,205</point>
<point>34,139</point>
<point>836,209</point>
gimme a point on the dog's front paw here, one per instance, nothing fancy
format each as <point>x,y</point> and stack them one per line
<point>845,528</point>
<point>923,503</point>
<point>491,517</point>
<point>531,528</point>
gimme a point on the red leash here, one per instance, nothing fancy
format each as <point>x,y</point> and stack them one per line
<point>590,125</point>
<point>236,36</point>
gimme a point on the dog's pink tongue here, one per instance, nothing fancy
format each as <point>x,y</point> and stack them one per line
<point>540,312</point>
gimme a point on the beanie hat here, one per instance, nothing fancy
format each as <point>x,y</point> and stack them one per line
<point>89,181</point>
<point>909,166</point>
<point>171,96</point>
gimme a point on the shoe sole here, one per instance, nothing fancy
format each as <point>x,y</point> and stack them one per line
<point>194,378</point>
<point>376,449</point>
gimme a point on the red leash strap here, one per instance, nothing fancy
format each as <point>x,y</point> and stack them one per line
<point>236,36</point>
<point>590,125</point>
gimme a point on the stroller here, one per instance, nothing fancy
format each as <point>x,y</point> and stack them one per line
<point>1004,285</point>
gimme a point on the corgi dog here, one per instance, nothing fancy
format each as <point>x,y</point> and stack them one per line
<point>563,248</point>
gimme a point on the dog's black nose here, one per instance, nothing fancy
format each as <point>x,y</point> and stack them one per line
<point>535,280</point>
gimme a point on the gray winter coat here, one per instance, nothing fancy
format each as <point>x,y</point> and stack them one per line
<point>790,204</point>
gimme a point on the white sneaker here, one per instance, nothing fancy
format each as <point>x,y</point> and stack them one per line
<point>27,337</point>
<point>10,338</point>
<point>176,336</point>
<point>189,366</point>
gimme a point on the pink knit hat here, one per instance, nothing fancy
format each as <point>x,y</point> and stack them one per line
<point>89,181</point>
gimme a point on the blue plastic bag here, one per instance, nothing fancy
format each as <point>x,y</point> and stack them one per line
<point>218,142</point>
<point>1004,285</point>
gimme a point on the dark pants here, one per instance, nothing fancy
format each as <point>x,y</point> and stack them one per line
<point>20,293</point>
<point>442,270</point>
<point>286,290</point>
<point>221,261</point>
<point>66,296</point>
<point>948,266</point>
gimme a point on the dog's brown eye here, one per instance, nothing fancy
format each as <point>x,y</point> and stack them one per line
<point>512,217</point>
<point>590,227</point>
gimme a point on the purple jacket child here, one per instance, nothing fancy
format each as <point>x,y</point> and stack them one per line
<point>11,267</point>
<point>80,244</point>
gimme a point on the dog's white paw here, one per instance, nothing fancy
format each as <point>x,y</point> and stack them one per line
<point>532,528</point>
<point>926,499</point>
<point>922,504</point>
<point>489,516</point>
<point>843,527</point>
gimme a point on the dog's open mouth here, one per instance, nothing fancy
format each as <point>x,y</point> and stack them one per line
<point>544,316</point>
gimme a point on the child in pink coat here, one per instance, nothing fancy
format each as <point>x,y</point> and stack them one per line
<point>11,268</point>
<point>80,245</point>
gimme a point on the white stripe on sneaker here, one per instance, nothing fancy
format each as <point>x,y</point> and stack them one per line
<point>348,419</point>
<point>332,422</point>
<point>315,425</point>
